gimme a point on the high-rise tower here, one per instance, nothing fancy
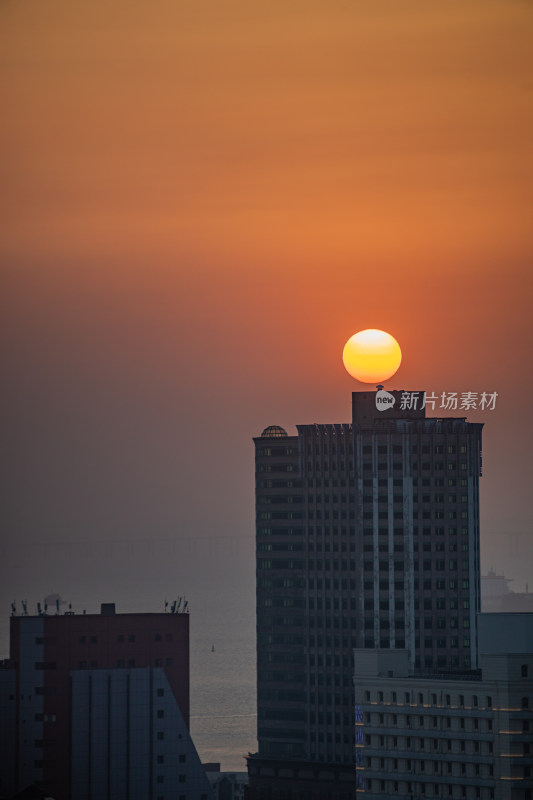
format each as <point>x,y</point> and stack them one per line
<point>367,536</point>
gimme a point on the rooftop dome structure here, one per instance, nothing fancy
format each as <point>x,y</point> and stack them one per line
<point>273,432</point>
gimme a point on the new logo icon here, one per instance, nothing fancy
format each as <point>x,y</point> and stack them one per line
<point>384,400</point>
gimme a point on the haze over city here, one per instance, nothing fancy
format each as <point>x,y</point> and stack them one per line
<point>202,202</point>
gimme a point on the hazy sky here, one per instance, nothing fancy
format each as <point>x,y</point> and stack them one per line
<point>201,202</point>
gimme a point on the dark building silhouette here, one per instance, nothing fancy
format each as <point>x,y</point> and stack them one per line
<point>98,707</point>
<point>367,537</point>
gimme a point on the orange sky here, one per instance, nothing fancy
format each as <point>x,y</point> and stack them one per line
<point>202,201</point>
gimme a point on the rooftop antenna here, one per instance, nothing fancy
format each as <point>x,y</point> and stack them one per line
<point>13,609</point>
<point>25,607</point>
<point>57,605</point>
<point>186,607</point>
<point>166,604</point>
<point>173,607</point>
<point>39,609</point>
<point>178,606</point>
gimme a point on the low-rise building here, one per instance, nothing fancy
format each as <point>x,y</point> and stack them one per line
<point>96,707</point>
<point>448,735</point>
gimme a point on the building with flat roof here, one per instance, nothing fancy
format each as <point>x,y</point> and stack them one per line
<point>424,736</point>
<point>99,707</point>
<point>367,537</point>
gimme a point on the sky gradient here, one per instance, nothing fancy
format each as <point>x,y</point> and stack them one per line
<point>202,202</point>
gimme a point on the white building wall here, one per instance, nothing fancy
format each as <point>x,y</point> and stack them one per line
<point>438,737</point>
<point>128,728</point>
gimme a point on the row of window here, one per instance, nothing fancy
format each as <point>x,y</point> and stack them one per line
<point>399,515</point>
<point>318,499</point>
<point>276,468</point>
<point>277,499</point>
<point>279,483</point>
<point>416,766</point>
<point>383,449</point>
<point>399,498</point>
<point>332,450</point>
<point>427,745</point>
<point>427,547</point>
<point>276,451</point>
<point>50,640</point>
<point>424,482</point>
<point>428,789</point>
<point>428,565</point>
<point>329,466</point>
<point>398,530</point>
<point>438,449</point>
<point>425,721</point>
<point>315,531</point>
<point>397,466</point>
<point>121,662</point>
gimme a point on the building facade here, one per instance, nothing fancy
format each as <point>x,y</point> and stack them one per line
<point>101,701</point>
<point>448,736</point>
<point>367,537</point>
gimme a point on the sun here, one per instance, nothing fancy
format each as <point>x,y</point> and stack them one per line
<point>372,356</point>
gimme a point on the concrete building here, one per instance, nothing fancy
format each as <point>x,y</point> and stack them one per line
<point>367,537</point>
<point>424,736</point>
<point>100,707</point>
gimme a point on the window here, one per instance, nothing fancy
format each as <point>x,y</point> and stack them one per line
<point>160,692</point>
<point>160,714</point>
<point>524,671</point>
